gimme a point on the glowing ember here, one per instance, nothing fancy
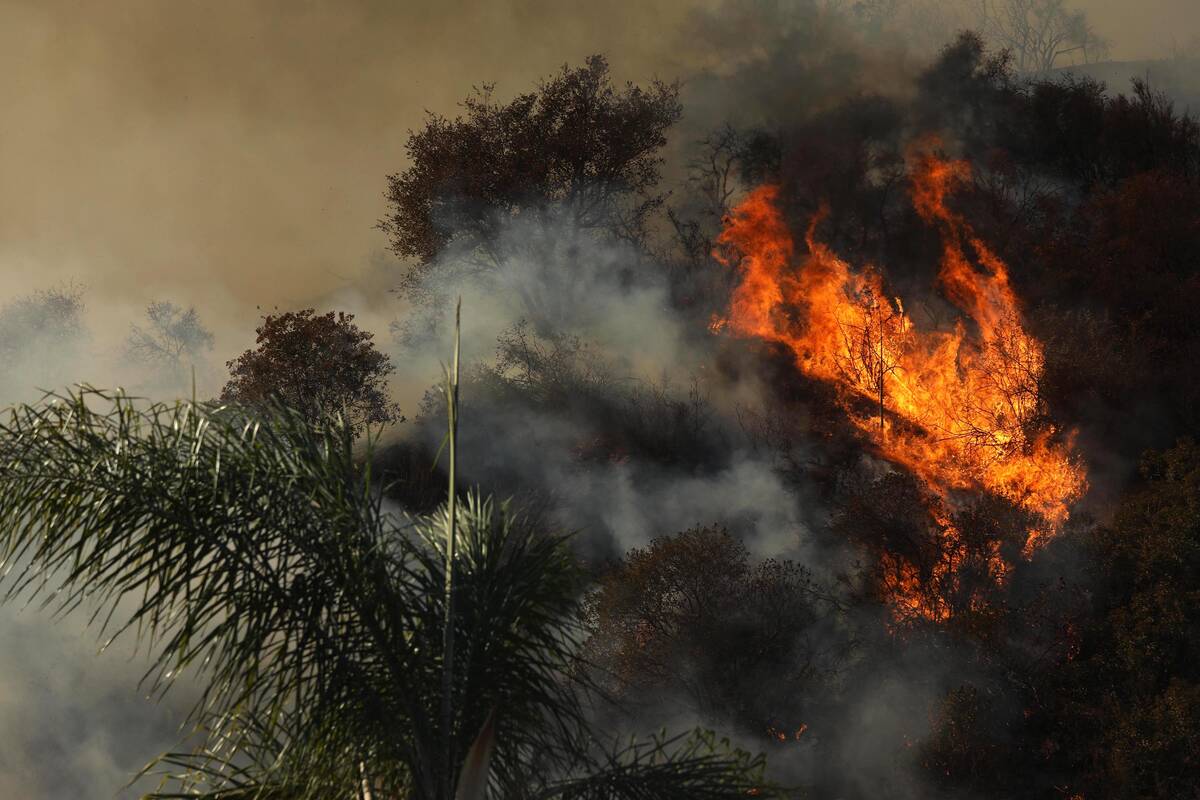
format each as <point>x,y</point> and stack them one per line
<point>781,735</point>
<point>955,407</point>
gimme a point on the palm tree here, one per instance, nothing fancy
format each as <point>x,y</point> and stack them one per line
<point>257,553</point>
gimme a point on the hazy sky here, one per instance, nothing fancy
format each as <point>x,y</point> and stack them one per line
<point>1144,28</point>
<point>233,152</point>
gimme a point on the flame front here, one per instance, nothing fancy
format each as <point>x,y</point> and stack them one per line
<point>958,408</point>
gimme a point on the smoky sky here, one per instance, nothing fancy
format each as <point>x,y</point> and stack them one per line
<point>232,153</point>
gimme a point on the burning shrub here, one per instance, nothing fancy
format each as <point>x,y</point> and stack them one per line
<point>927,564</point>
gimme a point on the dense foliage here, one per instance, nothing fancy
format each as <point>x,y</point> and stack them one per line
<point>576,146</point>
<point>257,556</point>
<point>317,364</point>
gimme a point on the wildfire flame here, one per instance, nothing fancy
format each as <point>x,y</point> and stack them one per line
<point>957,408</point>
<point>782,735</point>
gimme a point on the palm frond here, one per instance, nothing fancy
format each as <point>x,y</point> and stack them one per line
<point>693,766</point>
<point>256,554</point>
<point>251,551</point>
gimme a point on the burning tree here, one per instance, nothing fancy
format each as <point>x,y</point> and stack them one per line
<point>872,342</point>
<point>960,410</point>
<point>930,562</point>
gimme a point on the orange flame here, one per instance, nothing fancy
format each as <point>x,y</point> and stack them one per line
<point>959,409</point>
<point>781,735</point>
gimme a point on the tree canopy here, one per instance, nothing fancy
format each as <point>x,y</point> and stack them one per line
<point>577,143</point>
<point>318,364</point>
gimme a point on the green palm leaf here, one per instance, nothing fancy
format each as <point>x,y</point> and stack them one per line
<point>256,554</point>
